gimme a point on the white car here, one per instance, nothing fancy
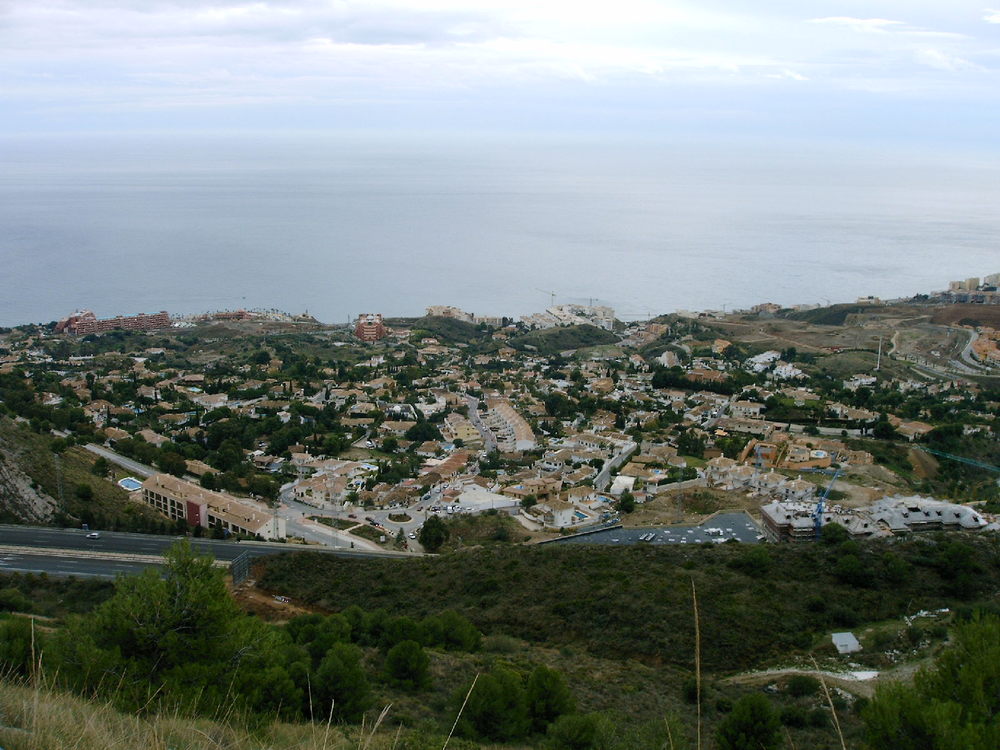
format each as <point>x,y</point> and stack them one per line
<point>94,535</point>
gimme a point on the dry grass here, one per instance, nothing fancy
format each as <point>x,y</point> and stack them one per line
<point>44,719</point>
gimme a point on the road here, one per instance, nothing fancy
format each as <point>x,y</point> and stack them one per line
<point>298,524</point>
<point>489,439</point>
<point>140,470</point>
<point>69,550</point>
<point>966,357</point>
<point>604,475</point>
<point>62,567</point>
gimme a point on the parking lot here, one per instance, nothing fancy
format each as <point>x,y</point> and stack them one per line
<point>721,528</point>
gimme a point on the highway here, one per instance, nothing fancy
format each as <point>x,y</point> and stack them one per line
<point>71,552</point>
<point>57,566</point>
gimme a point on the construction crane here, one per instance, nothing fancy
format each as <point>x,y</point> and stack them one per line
<point>552,296</point>
<point>962,459</point>
<point>818,514</point>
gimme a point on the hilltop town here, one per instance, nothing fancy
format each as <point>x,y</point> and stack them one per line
<point>268,425</point>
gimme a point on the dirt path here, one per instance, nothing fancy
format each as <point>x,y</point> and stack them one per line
<point>858,682</point>
<point>852,684</point>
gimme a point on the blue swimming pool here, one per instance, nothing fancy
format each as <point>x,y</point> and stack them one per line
<point>130,483</point>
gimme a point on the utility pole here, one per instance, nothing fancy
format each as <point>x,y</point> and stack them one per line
<point>878,362</point>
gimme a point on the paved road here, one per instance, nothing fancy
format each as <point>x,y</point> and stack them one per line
<point>124,543</point>
<point>135,467</point>
<point>739,526</point>
<point>489,440</point>
<point>298,524</point>
<point>26,562</point>
<point>604,475</point>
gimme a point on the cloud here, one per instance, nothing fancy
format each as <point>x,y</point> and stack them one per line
<point>934,58</point>
<point>992,16</point>
<point>863,25</point>
<point>147,54</point>
<point>789,75</point>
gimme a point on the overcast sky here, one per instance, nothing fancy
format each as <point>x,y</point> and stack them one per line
<point>918,71</point>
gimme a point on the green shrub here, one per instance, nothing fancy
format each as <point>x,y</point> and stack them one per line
<point>548,697</point>
<point>753,723</point>
<point>794,716</point>
<point>12,600</point>
<point>496,708</point>
<point>801,685</point>
<point>407,666</point>
<point>574,732</point>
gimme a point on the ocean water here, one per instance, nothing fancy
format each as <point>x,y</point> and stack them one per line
<point>339,225</point>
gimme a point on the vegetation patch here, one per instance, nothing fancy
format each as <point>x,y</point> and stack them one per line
<point>635,602</point>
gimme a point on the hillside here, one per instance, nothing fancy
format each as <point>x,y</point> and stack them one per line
<point>835,315</point>
<point>979,315</point>
<point>561,338</point>
<point>448,330</point>
<point>757,603</point>
<point>38,485</point>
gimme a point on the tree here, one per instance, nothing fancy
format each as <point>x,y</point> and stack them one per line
<point>548,697</point>
<point>174,639</point>
<point>951,705</point>
<point>626,503</point>
<point>84,492</point>
<point>317,634</point>
<point>18,645</point>
<point>801,685</point>
<point>833,533</point>
<point>450,630</point>
<point>496,708</point>
<point>434,534</point>
<point>423,431</point>
<point>340,683</point>
<point>689,444</point>
<point>752,725</point>
<point>100,467</point>
<point>407,665</point>
<point>172,463</point>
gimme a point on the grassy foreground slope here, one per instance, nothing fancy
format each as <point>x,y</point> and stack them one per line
<point>41,719</point>
<point>756,602</point>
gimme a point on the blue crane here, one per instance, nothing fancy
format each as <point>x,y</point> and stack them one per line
<point>818,514</point>
<point>963,459</point>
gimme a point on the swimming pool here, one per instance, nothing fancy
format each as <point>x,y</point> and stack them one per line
<point>130,483</point>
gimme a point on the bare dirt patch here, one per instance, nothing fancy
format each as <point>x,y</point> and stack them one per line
<point>925,466</point>
<point>987,315</point>
<point>266,605</point>
<point>687,506</point>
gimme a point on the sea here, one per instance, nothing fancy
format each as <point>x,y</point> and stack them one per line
<point>341,224</point>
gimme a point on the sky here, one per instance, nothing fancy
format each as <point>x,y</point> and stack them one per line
<point>918,71</point>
